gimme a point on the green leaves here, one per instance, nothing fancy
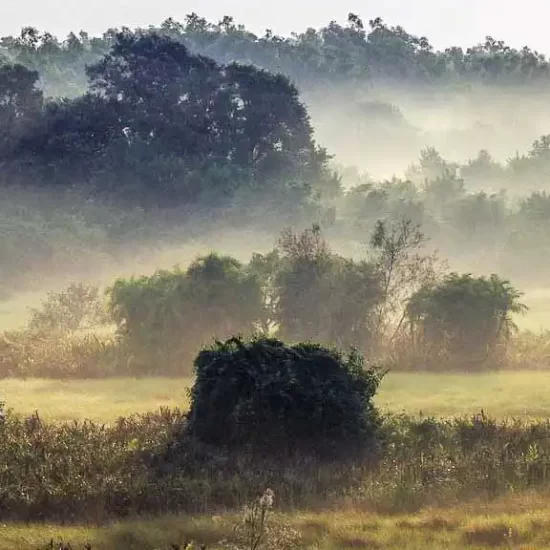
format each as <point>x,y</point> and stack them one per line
<point>166,318</point>
<point>463,318</point>
<point>269,395</point>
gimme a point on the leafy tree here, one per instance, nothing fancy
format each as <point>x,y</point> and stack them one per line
<point>402,267</point>
<point>431,166</point>
<point>163,126</point>
<point>462,319</point>
<point>478,216</point>
<point>78,307</point>
<point>482,170</point>
<point>267,395</point>
<point>352,53</point>
<point>320,296</point>
<point>166,318</point>
<point>20,101</point>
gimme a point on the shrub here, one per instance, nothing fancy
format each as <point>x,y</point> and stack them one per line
<point>25,354</point>
<point>265,394</point>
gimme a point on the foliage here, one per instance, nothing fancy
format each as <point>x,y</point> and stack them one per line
<point>20,100</point>
<point>462,320</point>
<point>166,318</point>
<point>65,356</point>
<point>262,393</point>
<point>317,295</point>
<point>355,52</point>
<point>255,520</point>
<point>161,126</point>
<point>78,307</point>
<point>84,472</point>
<point>402,268</point>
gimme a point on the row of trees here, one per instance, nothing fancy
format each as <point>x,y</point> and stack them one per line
<point>398,305</point>
<point>353,52</point>
<point>462,208</point>
<point>162,126</point>
<point>302,291</point>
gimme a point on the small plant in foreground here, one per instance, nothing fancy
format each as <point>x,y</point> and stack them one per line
<point>255,520</point>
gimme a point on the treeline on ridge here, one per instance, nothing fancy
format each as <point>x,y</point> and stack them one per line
<point>355,52</point>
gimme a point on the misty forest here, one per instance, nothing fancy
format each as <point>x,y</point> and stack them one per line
<point>266,292</point>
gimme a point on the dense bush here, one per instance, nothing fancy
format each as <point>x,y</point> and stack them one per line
<point>263,393</point>
<point>24,354</point>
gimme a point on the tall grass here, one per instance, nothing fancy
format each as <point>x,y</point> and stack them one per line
<point>146,465</point>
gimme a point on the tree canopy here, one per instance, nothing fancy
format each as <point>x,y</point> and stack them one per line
<point>163,126</point>
<point>354,52</point>
<point>462,319</point>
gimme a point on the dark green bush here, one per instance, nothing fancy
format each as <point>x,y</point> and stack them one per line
<point>265,394</point>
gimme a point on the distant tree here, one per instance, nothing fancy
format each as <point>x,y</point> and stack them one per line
<point>20,102</point>
<point>403,266</point>
<point>482,170</point>
<point>461,320</point>
<point>430,167</point>
<point>532,169</point>
<point>166,318</point>
<point>78,307</point>
<point>164,126</point>
<point>321,296</point>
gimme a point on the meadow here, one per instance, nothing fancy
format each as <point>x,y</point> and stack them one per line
<point>499,394</point>
<point>401,505</point>
<point>517,522</point>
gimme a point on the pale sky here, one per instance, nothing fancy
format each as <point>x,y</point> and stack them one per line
<point>444,22</point>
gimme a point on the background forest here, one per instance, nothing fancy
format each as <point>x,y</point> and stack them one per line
<point>122,145</point>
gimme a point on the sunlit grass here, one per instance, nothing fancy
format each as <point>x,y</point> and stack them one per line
<point>519,521</point>
<point>498,394</point>
<point>99,400</point>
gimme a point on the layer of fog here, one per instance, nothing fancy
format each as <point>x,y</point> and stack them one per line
<point>380,131</point>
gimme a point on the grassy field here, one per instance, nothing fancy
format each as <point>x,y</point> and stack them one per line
<point>518,522</point>
<point>100,400</point>
<point>498,394</point>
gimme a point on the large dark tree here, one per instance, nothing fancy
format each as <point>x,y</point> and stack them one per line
<point>162,125</point>
<point>20,101</point>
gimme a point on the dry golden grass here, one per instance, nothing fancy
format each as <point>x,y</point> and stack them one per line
<point>99,400</point>
<point>520,522</point>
